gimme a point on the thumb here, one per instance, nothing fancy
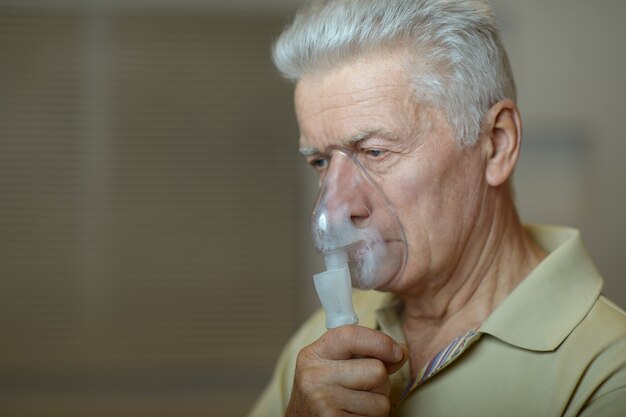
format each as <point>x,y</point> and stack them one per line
<point>393,367</point>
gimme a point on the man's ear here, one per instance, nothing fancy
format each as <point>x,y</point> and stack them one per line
<point>502,138</point>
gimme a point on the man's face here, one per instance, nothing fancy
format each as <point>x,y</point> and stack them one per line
<point>435,185</point>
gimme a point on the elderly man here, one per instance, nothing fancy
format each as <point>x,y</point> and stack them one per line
<point>487,317</point>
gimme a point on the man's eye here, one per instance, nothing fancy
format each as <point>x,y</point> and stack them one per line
<point>375,153</point>
<point>318,163</point>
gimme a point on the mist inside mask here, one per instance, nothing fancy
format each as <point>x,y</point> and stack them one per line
<point>355,228</point>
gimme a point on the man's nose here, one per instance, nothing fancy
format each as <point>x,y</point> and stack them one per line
<point>360,216</point>
<point>347,191</point>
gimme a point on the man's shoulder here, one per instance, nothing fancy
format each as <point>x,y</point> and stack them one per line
<point>598,342</point>
<point>611,308</point>
<point>603,326</point>
<point>598,346</point>
<point>605,320</point>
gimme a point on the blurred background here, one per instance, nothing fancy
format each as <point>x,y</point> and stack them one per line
<point>154,247</point>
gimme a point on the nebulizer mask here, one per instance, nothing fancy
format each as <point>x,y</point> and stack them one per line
<point>356,230</point>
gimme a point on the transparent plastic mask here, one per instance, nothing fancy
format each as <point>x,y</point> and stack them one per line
<point>353,222</point>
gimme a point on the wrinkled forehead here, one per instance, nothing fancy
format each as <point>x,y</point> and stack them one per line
<point>346,104</point>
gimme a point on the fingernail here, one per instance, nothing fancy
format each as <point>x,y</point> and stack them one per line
<point>398,353</point>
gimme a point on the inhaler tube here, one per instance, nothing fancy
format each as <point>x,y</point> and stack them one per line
<point>334,289</point>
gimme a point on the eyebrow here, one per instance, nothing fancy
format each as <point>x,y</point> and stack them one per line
<point>350,140</point>
<point>309,151</point>
<point>361,136</point>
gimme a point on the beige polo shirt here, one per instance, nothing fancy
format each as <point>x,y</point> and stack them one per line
<point>554,347</point>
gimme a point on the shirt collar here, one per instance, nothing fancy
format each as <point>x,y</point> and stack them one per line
<point>550,302</point>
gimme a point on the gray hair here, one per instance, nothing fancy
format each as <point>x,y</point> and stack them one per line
<point>464,68</point>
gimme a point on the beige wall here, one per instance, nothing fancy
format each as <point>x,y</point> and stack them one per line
<point>148,212</point>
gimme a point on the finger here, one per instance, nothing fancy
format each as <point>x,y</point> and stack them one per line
<point>345,402</point>
<point>362,403</point>
<point>363,375</point>
<point>345,342</point>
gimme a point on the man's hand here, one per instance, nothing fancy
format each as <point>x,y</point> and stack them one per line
<point>345,373</point>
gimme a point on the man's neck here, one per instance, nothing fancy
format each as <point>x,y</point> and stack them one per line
<point>498,257</point>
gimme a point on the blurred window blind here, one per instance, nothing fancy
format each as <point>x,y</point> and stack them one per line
<point>148,209</point>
